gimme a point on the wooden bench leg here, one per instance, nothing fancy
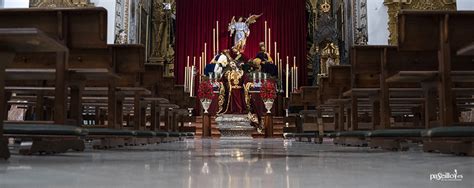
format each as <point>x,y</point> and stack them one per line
<point>4,151</point>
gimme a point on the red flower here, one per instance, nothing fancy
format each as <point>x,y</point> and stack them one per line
<point>268,90</point>
<point>206,91</point>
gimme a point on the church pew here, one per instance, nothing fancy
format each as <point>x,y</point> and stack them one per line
<point>45,138</point>
<point>446,37</point>
<point>451,140</point>
<point>91,59</point>
<point>330,93</point>
<point>369,89</point>
<point>75,28</point>
<point>332,87</point>
<point>13,41</point>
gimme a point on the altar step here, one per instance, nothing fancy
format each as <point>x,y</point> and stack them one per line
<point>278,124</point>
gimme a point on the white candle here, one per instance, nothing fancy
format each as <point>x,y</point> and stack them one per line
<point>186,75</point>
<point>205,53</point>
<point>194,60</point>
<point>296,77</point>
<point>265,76</point>
<point>294,72</point>
<point>287,79</point>
<point>259,76</point>
<point>266,36</point>
<point>200,69</point>
<point>292,79</point>
<point>269,41</point>
<point>278,63</point>
<point>191,88</point>
<point>281,72</point>
<point>254,77</point>
<point>203,63</point>
<point>276,52</point>
<point>214,41</point>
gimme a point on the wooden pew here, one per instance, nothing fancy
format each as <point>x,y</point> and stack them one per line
<point>446,36</point>
<point>424,57</point>
<point>90,57</point>
<point>12,42</point>
<point>74,28</point>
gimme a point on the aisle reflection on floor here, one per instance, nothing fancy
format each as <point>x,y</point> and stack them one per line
<point>221,164</point>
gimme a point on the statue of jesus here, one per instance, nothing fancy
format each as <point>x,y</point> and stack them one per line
<point>241,30</point>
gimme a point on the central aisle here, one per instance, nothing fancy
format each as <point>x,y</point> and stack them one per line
<point>219,164</point>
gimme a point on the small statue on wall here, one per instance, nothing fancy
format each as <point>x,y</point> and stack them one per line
<point>329,57</point>
<point>121,37</point>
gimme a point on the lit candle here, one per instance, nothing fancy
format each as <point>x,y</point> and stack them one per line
<point>265,76</point>
<point>194,60</point>
<point>259,76</point>
<point>254,77</point>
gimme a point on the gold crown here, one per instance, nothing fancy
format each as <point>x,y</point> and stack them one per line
<point>325,7</point>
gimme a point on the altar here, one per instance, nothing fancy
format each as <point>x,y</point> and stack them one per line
<point>236,88</point>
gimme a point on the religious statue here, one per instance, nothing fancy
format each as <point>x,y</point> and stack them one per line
<point>329,57</point>
<point>233,94</point>
<point>263,61</point>
<point>241,30</point>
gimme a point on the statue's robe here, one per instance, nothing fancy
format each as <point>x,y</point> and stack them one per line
<point>232,98</point>
<point>266,64</point>
<point>241,32</point>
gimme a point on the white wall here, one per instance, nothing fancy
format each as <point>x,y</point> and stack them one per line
<point>465,4</point>
<point>110,6</point>
<point>16,4</point>
<point>377,26</point>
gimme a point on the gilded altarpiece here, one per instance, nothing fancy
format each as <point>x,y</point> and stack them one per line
<point>394,7</point>
<point>163,21</point>
<point>60,3</point>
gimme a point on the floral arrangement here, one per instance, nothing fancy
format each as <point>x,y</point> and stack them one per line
<point>206,90</point>
<point>268,90</point>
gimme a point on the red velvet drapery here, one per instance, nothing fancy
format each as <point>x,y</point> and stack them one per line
<point>196,18</point>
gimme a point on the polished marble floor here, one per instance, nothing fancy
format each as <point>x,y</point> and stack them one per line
<point>222,164</point>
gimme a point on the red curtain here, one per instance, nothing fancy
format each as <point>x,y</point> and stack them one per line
<point>195,20</point>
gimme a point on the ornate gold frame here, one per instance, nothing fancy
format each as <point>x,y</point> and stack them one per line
<point>394,7</point>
